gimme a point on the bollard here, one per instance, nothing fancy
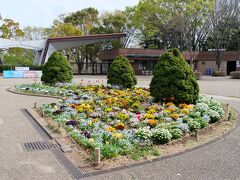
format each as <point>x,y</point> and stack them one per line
<point>97,156</point>
<point>196,135</point>
<point>227,108</point>
<point>229,116</point>
<point>35,105</point>
<point>43,114</point>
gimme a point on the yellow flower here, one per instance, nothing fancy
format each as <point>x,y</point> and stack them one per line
<point>80,109</point>
<point>182,106</point>
<point>148,116</point>
<point>91,140</point>
<point>120,126</point>
<point>122,116</point>
<point>85,108</point>
<point>90,123</point>
<point>189,106</point>
<point>108,110</point>
<point>185,111</point>
<point>118,135</point>
<point>151,111</point>
<point>110,129</point>
<point>169,110</point>
<point>169,104</point>
<point>174,116</point>
<point>152,122</point>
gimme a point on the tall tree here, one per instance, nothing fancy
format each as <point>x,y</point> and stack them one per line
<point>85,19</point>
<point>173,23</point>
<point>196,25</point>
<point>10,29</point>
<point>116,22</point>
<point>35,33</point>
<point>63,30</point>
<point>224,18</point>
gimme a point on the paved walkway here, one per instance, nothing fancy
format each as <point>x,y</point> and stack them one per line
<point>15,129</point>
<point>216,161</point>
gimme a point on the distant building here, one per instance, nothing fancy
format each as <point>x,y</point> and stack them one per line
<point>144,60</point>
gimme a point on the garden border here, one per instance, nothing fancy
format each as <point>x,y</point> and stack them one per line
<point>13,90</point>
<point>183,139</point>
<point>188,137</point>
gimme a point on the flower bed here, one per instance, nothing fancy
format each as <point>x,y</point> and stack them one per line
<point>123,121</point>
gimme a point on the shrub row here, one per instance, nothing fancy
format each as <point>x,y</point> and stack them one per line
<point>235,74</point>
<point>5,67</point>
<point>219,73</point>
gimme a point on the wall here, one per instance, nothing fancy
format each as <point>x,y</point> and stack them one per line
<point>210,64</point>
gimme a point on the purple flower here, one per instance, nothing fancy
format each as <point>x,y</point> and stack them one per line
<point>72,123</point>
<point>87,134</point>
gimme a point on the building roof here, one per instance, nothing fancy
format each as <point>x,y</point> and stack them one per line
<point>87,37</point>
<point>61,43</point>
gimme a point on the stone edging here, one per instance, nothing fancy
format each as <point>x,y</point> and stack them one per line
<point>44,125</point>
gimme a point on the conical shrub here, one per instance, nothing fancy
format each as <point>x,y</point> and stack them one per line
<point>121,73</point>
<point>57,69</point>
<point>174,80</point>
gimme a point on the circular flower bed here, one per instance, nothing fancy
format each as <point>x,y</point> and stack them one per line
<point>122,121</point>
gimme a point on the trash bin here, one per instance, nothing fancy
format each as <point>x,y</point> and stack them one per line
<point>209,71</point>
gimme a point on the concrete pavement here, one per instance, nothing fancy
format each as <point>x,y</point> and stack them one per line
<point>15,129</point>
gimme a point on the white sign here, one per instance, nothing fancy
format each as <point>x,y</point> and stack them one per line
<point>21,68</point>
<point>238,64</point>
<point>32,74</point>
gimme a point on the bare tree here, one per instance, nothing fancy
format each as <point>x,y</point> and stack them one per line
<point>223,19</point>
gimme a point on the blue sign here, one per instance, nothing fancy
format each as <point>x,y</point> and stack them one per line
<point>21,74</point>
<point>17,74</point>
<point>7,74</point>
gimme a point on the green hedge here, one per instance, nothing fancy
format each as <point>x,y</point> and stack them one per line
<point>36,67</point>
<point>5,67</point>
<point>10,67</point>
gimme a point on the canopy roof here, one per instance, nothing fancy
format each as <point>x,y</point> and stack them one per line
<point>46,47</point>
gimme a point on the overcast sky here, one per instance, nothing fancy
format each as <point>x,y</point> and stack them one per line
<point>43,12</point>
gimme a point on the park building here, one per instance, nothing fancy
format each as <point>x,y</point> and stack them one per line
<point>144,60</point>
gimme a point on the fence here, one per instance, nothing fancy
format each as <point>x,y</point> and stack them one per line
<point>95,68</point>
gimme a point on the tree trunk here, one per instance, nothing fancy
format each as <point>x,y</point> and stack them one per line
<point>191,58</point>
<point>219,60</point>
<point>79,64</point>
